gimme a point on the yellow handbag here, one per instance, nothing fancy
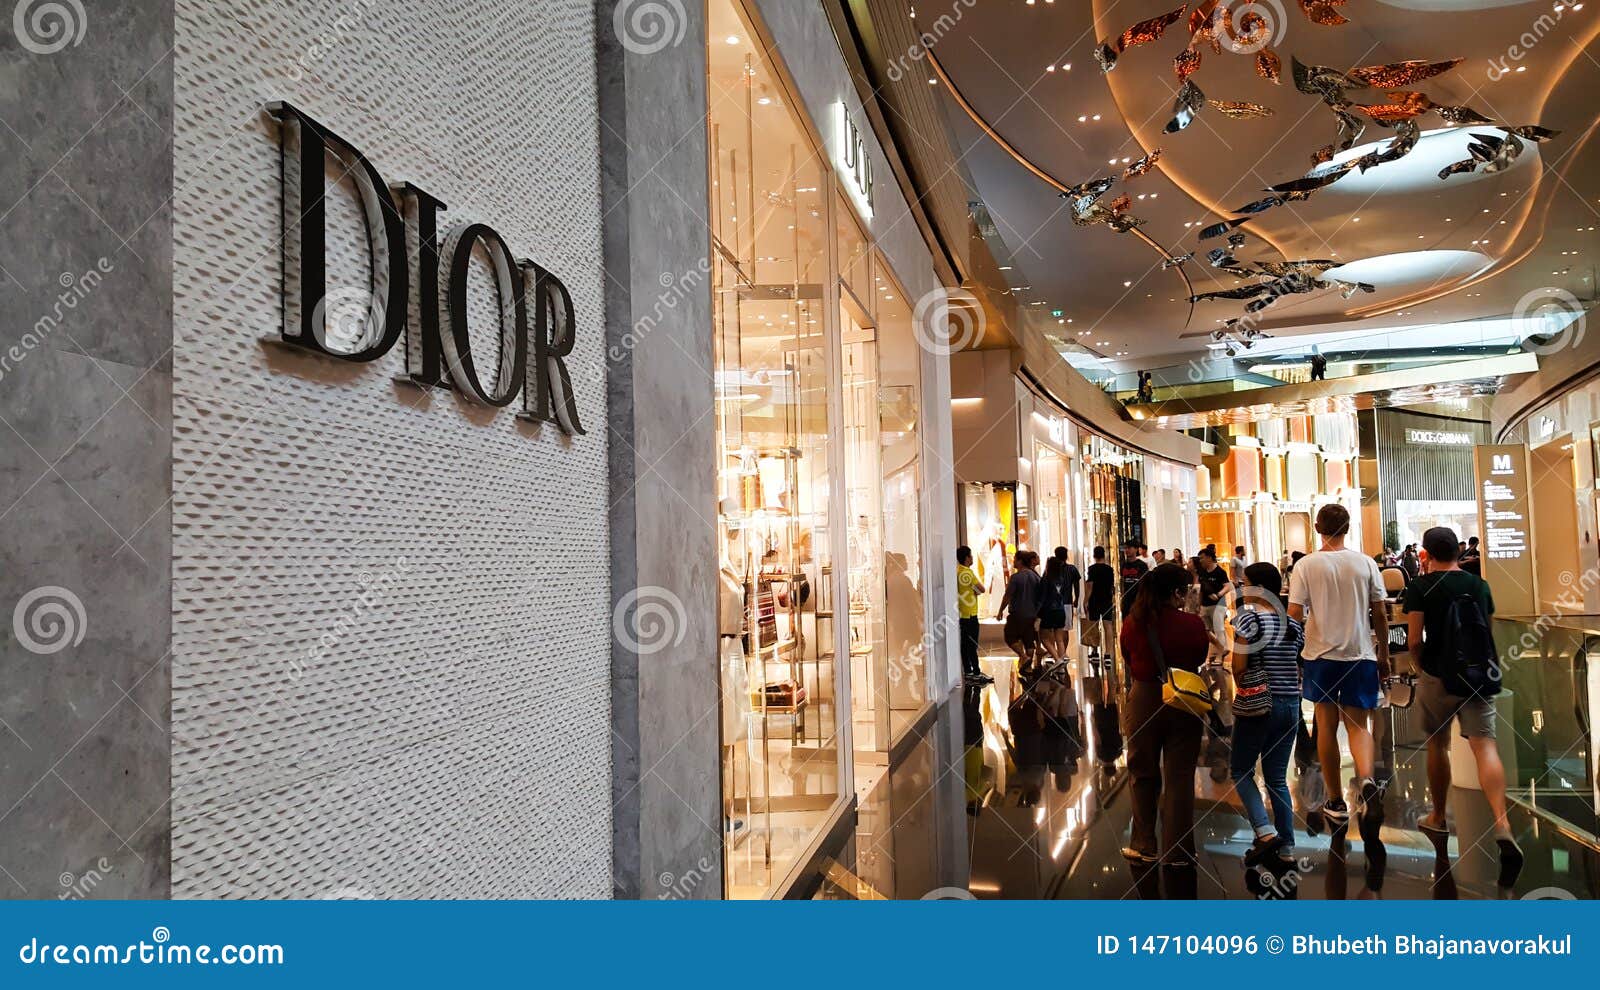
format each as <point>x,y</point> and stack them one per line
<point>1183,689</point>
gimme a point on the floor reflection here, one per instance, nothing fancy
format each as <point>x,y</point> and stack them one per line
<point>1050,822</point>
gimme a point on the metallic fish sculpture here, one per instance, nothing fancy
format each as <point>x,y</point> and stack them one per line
<point>1489,151</point>
<point>1176,260</point>
<point>1218,229</point>
<point>1190,101</point>
<point>1324,12</point>
<point>1141,165</point>
<point>1397,106</point>
<point>1139,34</point>
<point>1087,211</point>
<point>1238,110</point>
<point>1397,75</point>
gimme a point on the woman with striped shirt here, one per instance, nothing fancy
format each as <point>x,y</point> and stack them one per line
<point>1265,637</point>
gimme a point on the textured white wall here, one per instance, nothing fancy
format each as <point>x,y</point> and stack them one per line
<point>391,626</point>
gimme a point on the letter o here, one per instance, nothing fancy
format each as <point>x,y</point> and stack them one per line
<point>512,308</point>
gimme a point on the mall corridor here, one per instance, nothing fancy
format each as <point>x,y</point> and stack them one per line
<point>1057,830</point>
<point>514,450</point>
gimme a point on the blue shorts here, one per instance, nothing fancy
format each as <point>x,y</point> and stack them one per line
<point>1354,683</point>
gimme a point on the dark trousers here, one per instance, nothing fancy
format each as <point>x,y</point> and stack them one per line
<point>969,645</point>
<point>1163,749</point>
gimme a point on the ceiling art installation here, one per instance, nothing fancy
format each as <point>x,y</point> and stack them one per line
<point>1393,105</point>
<point>1139,34</point>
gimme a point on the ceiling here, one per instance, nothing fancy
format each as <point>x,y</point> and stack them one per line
<point>1472,247</point>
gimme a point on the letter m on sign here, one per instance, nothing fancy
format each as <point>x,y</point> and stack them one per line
<point>1502,463</point>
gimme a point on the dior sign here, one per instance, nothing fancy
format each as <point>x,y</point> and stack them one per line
<point>418,285</point>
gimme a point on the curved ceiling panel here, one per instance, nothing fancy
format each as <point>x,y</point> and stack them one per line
<point>1412,269</point>
<point>1418,172</point>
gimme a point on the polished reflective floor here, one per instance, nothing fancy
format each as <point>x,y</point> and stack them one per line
<point>1048,817</point>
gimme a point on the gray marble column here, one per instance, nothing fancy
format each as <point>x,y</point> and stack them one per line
<point>665,749</point>
<point>86,110</point>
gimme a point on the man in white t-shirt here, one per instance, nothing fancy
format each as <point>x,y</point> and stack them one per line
<point>1339,595</point>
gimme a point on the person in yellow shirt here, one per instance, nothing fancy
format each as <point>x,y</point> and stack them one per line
<point>968,588</point>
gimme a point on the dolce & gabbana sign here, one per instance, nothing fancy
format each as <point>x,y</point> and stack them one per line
<point>418,285</point>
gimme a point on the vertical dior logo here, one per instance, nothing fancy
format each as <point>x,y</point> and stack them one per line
<point>419,286</point>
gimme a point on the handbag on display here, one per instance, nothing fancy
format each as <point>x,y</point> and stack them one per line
<point>1182,689</point>
<point>785,694</point>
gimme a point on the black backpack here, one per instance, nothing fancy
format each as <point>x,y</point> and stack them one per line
<point>1467,661</point>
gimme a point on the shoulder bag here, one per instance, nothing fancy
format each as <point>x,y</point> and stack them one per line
<point>1252,694</point>
<point>1183,689</point>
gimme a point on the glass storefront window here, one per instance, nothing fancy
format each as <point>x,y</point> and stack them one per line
<point>818,432</point>
<point>882,413</point>
<point>780,725</point>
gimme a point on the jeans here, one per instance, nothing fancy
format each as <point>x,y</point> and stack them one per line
<point>1163,749</point>
<point>1269,738</point>
<point>969,645</point>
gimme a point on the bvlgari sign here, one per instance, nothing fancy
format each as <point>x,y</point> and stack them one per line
<point>418,285</point>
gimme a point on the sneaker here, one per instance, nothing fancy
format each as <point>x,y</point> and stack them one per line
<point>1335,814</point>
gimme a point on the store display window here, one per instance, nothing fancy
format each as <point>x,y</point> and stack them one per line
<point>819,488</point>
<point>780,725</point>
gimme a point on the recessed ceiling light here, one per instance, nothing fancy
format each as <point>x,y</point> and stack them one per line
<point>1082,118</point>
<point>732,39</point>
<point>1050,68</point>
<point>1126,285</point>
<point>765,100</point>
<point>1355,219</point>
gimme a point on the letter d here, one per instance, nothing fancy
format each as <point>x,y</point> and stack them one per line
<point>28,953</point>
<point>1110,945</point>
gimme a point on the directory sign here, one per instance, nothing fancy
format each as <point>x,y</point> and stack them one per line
<point>1504,520</point>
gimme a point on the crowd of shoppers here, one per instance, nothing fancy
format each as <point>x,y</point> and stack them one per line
<point>1315,631</point>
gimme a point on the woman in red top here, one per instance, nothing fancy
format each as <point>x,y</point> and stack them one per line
<point>1164,742</point>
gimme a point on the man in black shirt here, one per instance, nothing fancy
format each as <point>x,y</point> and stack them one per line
<point>1073,578</point>
<point>1099,606</point>
<point>1214,583</point>
<point>1438,605</point>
